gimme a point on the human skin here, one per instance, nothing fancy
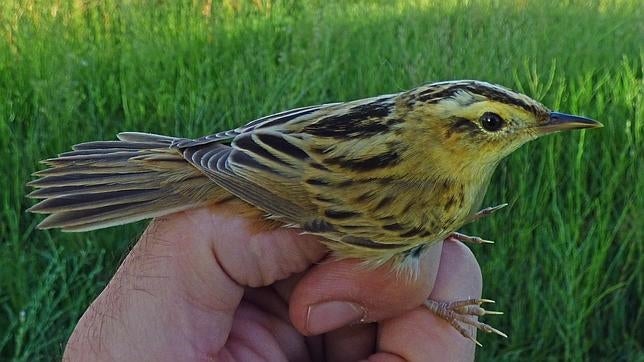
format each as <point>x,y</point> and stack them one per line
<point>219,284</point>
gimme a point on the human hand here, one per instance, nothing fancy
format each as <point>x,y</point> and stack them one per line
<point>217,284</point>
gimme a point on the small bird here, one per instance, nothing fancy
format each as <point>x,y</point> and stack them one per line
<point>379,179</point>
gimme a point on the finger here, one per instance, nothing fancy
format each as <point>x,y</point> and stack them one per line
<point>153,295</point>
<point>461,279</point>
<point>418,334</point>
<point>255,252</point>
<point>351,343</point>
<point>342,292</point>
<point>256,335</point>
<point>177,290</point>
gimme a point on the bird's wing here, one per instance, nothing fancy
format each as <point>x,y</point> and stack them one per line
<point>273,120</point>
<point>249,180</point>
<point>292,166</point>
<point>260,165</point>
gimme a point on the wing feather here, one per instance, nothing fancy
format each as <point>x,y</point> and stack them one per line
<point>286,165</point>
<point>273,120</point>
<point>214,160</point>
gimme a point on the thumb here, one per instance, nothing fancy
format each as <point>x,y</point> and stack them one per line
<point>342,292</point>
<point>176,293</point>
<point>158,291</point>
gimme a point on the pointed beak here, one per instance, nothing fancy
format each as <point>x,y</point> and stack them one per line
<point>562,122</point>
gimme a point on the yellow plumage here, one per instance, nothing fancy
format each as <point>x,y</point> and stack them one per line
<point>379,178</point>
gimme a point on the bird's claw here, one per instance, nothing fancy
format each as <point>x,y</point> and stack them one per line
<point>469,239</point>
<point>463,313</point>
<point>487,211</point>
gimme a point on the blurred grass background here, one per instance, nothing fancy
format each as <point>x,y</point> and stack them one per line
<point>568,264</point>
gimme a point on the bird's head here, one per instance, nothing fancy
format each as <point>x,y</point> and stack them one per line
<point>473,124</point>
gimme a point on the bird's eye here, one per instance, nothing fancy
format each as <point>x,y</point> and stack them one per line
<point>491,121</point>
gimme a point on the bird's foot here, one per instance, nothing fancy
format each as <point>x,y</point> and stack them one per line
<point>468,239</point>
<point>463,313</point>
<point>486,212</point>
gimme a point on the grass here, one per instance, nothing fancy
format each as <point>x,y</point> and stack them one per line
<point>567,268</point>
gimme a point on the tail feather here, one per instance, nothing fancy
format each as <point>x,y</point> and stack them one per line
<point>84,220</point>
<point>138,137</point>
<point>100,159</point>
<point>57,191</point>
<point>107,183</point>
<point>82,179</point>
<point>80,169</point>
<point>127,145</point>
<point>94,151</point>
<point>91,201</point>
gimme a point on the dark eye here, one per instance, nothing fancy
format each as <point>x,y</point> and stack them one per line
<point>491,121</point>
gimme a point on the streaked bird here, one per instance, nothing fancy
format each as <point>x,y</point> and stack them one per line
<point>379,179</point>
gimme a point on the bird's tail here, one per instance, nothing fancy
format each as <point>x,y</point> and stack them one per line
<point>107,183</point>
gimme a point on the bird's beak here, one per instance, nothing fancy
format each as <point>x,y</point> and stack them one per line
<point>562,122</point>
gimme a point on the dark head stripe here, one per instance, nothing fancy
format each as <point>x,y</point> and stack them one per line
<point>501,96</point>
<point>437,92</point>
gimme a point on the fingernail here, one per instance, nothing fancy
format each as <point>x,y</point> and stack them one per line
<point>327,316</point>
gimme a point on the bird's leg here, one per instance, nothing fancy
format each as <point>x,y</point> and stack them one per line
<point>475,239</point>
<point>463,313</point>
<point>468,239</point>
<point>485,212</point>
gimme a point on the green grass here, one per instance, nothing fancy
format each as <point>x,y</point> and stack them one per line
<point>568,264</point>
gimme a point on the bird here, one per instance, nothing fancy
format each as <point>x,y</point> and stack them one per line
<point>379,179</point>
